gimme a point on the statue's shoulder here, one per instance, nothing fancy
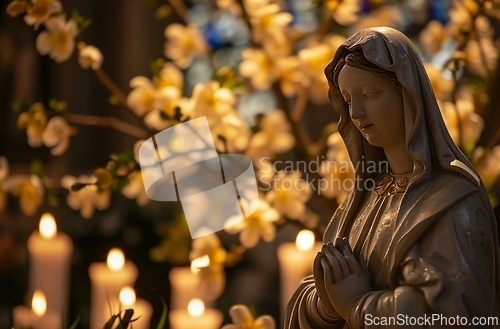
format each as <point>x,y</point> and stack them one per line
<point>452,185</point>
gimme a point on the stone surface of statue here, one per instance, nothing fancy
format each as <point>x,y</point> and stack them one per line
<point>418,246</point>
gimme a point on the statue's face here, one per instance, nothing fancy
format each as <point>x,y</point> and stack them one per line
<point>375,106</point>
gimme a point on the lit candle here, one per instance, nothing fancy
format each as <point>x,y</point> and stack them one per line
<point>142,309</point>
<point>196,316</point>
<point>184,286</point>
<point>107,280</point>
<point>296,261</point>
<point>38,317</point>
<point>50,260</point>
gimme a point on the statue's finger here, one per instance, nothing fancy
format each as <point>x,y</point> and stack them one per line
<point>328,273</point>
<point>317,268</point>
<point>341,260</point>
<point>352,262</point>
<point>339,243</point>
<point>363,266</point>
<point>338,274</point>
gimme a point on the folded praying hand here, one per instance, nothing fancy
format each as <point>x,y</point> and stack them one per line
<point>341,278</point>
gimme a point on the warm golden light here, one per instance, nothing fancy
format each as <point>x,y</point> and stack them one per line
<point>47,226</point>
<point>116,260</point>
<point>127,296</point>
<point>39,303</point>
<point>196,307</point>
<point>199,263</point>
<point>305,240</point>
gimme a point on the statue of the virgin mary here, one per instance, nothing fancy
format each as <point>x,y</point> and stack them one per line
<point>420,248</point>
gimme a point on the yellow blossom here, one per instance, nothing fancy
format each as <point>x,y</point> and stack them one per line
<point>34,121</point>
<point>345,12</point>
<point>142,97</point>
<point>212,277</point>
<point>432,36</point>
<point>259,224</point>
<point>466,124</point>
<point>88,198</point>
<point>289,194</point>
<point>269,23</point>
<point>460,16</point>
<point>40,11</point>
<point>209,100</point>
<point>252,5</point>
<point>337,170</point>
<point>481,57</point>
<point>58,41</point>
<point>441,85</point>
<point>57,134</point>
<point>274,137</point>
<point>235,132</point>
<point>290,75</point>
<point>183,43</point>
<point>259,67</point>
<point>90,57</point>
<point>29,189</point>
<point>31,195</point>
<point>487,165</point>
<point>383,16</point>
<point>170,76</point>
<point>243,319</point>
<point>312,63</point>
<point>135,188</point>
<point>17,7</point>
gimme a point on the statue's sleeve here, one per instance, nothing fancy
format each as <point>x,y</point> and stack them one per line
<point>304,311</point>
<point>449,272</point>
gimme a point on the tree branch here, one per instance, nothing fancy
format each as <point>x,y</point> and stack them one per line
<point>122,126</point>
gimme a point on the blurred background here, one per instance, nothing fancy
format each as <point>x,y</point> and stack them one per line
<point>265,56</point>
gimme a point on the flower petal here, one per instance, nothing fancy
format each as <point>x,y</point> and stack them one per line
<point>240,315</point>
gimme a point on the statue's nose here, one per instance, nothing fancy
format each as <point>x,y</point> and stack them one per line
<point>356,110</point>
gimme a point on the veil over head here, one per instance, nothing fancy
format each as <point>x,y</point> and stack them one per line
<point>427,139</point>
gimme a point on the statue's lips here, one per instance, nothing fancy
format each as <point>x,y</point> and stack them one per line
<point>365,127</point>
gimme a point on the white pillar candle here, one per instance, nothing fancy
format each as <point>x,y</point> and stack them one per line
<point>142,309</point>
<point>196,316</point>
<point>296,262</point>
<point>38,317</point>
<point>107,279</point>
<point>50,260</point>
<point>184,287</point>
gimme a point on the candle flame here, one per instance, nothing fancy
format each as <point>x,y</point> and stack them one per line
<point>196,307</point>
<point>200,263</point>
<point>116,259</point>
<point>39,303</point>
<point>47,226</point>
<point>127,296</point>
<point>305,240</point>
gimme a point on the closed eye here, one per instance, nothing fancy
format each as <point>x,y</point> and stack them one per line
<point>370,95</point>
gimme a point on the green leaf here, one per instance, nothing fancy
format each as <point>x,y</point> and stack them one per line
<point>110,322</point>
<point>156,66</point>
<point>57,106</point>
<point>86,23</point>
<point>163,12</point>
<point>163,318</point>
<point>74,324</point>
<point>37,168</point>
<point>19,106</point>
<point>113,100</point>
